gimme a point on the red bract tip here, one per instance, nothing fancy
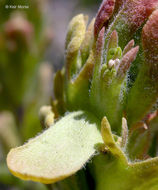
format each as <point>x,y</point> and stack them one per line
<point>126,61</point>
<point>113,41</point>
<point>128,47</point>
<point>103,15</point>
<point>139,10</point>
<point>100,42</point>
<point>150,44</point>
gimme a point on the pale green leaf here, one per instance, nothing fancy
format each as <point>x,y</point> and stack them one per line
<point>58,152</point>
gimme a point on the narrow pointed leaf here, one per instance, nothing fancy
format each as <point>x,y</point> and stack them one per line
<point>113,41</point>
<point>126,61</point>
<point>104,14</point>
<point>110,142</point>
<point>128,47</point>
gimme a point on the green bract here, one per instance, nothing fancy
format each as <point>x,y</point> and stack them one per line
<point>105,103</point>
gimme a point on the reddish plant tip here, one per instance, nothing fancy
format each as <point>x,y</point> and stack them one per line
<point>113,41</point>
<point>100,42</point>
<point>139,10</point>
<point>126,61</point>
<point>103,15</point>
<point>150,33</point>
<point>150,44</point>
<point>128,47</point>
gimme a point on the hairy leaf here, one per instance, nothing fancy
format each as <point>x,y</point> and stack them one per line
<point>59,151</point>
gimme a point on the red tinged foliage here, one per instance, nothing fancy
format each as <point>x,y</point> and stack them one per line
<point>128,47</point>
<point>104,14</point>
<point>113,41</point>
<point>139,10</point>
<point>150,44</point>
<point>100,42</point>
<point>126,61</point>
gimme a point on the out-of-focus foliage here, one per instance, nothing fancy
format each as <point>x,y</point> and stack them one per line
<point>21,45</point>
<point>24,75</point>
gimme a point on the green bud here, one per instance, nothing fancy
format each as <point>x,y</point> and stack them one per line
<point>75,36</point>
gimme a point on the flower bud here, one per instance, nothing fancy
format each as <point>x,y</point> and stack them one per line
<point>46,116</point>
<point>75,36</point>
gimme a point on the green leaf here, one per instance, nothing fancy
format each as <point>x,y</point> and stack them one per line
<point>110,142</point>
<point>78,89</point>
<point>74,39</point>
<point>87,42</point>
<point>59,151</point>
<point>145,88</point>
<point>113,169</point>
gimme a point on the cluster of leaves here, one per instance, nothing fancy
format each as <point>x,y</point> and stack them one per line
<point>106,85</point>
